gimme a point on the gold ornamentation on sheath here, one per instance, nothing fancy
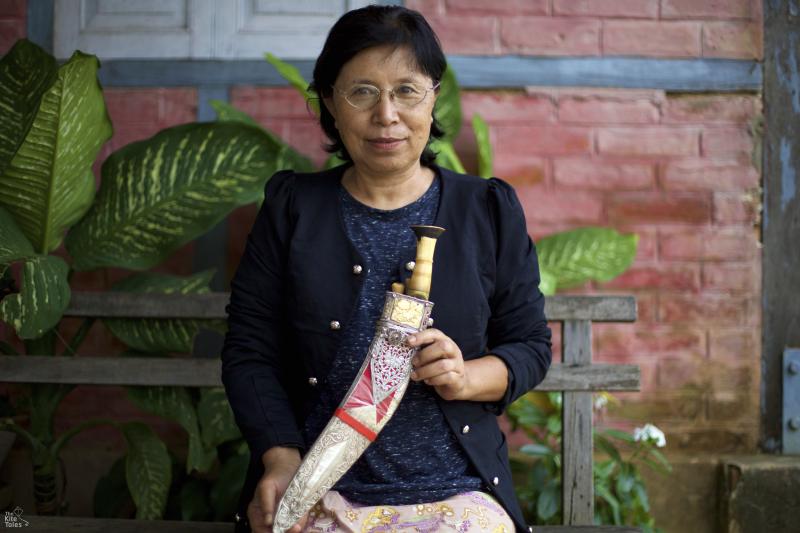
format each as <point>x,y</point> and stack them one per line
<point>407,312</point>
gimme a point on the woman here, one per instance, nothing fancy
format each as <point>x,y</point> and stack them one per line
<point>309,289</point>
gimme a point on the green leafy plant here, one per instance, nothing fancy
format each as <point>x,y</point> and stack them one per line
<point>620,493</point>
<point>155,196</point>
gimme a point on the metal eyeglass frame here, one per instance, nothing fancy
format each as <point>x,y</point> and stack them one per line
<point>380,93</point>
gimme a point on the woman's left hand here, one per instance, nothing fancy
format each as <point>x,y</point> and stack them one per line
<point>439,363</point>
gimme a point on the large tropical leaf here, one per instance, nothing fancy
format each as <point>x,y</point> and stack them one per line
<point>333,161</point>
<point>548,282</point>
<point>156,334</point>
<point>111,493</point>
<point>217,424</point>
<point>295,79</point>
<point>481,131</point>
<point>446,156</point>
<point>13,243</point>
<point>194,501</point>
<point>584,254</point>
<point>160,193</point>
<point>448,105</point>
<point>43,297</point>
<point>43,400</point>
<point>286,158</point>
<point>225,492</point>
<point>148,470</point>
<point>26,72</point>
<point>227,112</point>
<point>175,403</point>
<point>49,184</point>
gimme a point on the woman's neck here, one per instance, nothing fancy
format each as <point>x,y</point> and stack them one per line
<point>387,191</point>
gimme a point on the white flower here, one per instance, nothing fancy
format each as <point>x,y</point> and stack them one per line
<point>600,401</point>
<point>650,433</point>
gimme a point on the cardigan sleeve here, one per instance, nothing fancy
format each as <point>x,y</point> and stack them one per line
<point>517,331</point>
<point>254,358</point>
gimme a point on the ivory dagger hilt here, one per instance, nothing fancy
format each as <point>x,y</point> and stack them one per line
<point>419,284</point>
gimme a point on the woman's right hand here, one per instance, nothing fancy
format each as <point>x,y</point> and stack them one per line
<point>280,465</point>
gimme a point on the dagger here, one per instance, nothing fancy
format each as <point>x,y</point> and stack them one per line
<point>375,394</point>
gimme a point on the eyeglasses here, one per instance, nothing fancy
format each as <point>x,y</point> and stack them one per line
<point>364,96</point>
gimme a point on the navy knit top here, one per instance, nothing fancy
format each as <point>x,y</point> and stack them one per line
<point>415,458</point>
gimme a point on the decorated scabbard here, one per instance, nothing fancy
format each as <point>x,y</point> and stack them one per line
<point>375,394</point>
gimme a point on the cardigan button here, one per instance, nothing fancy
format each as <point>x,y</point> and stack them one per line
<point>465,429</point>
<point>410,265</point>
<point>335,325</point>
<point>357,269</point>
<point>312,381</point>
<point>495,481</point>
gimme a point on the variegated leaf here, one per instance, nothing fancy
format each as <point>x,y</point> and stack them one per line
<point>577,256</point>
<point>26,72</point>
<point>287,157</point>
<point>13,243</point>
<point>446,156</point>
<point>481,131</point>
<point>43,297</point>
<point>292,75</point>
<point>175,403</point>
<point>448,105</point>
<point>225,492</point>
<point>547,282</point>
<point>44,399</point>
<point>148,470</point>
<point>217,424</point>
<point>160,193</point>
<point>49,183</point>
<point>156,334</point>
<point>333,161</point>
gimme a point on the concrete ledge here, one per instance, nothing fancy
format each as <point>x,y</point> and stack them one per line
<point>759,493</point>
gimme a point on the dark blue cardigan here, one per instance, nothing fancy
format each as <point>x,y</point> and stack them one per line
<point>296,278</point>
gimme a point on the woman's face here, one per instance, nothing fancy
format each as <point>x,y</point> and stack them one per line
<point>388,137</point>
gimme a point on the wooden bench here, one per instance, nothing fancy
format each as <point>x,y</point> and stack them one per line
<point>576,376</point>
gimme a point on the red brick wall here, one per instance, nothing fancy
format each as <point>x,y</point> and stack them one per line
<point>13,18</point>
<point>652,28</point>
<point>682,171</point>
<point>676,169</point>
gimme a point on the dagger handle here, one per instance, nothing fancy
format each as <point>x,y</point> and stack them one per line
<point>419,285</point>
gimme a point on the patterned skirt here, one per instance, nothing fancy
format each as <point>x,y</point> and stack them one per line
<point>468,512</point>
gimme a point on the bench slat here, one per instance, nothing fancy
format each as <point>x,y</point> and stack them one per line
<point>577,479</point>
<point>79,524</point>
<point>197,372</point>
<point>69,524</point>
<point>597,308</point>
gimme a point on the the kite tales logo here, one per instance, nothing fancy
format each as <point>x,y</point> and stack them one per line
<point>14,518</point>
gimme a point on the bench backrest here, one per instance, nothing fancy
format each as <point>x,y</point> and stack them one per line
<point>576,376</point>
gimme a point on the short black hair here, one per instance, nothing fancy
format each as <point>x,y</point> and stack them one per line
<point>365,28</point>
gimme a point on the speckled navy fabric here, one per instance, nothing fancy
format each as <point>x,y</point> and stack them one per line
<point>415,458</point>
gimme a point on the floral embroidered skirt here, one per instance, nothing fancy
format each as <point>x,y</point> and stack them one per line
<point>468,512</point>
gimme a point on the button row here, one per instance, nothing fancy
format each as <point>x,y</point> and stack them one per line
<point>464,430</point>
